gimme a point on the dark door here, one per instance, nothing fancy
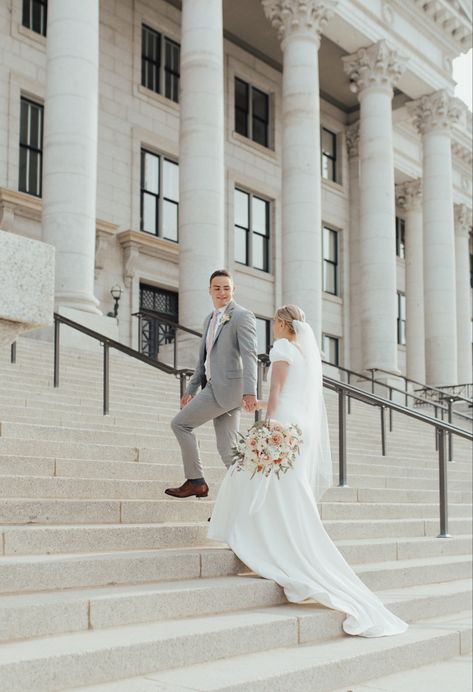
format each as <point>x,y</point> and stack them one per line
<point>157,303</point>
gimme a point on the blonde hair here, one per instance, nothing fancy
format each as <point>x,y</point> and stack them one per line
<point>289,313</point>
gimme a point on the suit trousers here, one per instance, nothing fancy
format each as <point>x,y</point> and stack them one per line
<point>202,408</point>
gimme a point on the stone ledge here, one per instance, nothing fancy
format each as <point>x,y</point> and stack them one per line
<point>136,243</point>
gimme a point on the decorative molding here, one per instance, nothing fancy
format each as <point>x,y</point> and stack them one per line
<point>105,231</point>
<point>14,203</point>
<point>299,17</point>
<point>379,65</point>
<point>463,153</point>
<point>438,111</point>
<point>353,139</point>
<point>451,18</point>
<point>409,195</point>
<point>463,219</point>
<point>136,243</point>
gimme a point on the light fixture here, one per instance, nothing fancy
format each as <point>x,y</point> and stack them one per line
<point>116,292</point>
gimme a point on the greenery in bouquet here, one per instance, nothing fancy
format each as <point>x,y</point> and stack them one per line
<point>268,447</point>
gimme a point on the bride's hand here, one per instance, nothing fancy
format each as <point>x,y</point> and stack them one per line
<point>260,405</point>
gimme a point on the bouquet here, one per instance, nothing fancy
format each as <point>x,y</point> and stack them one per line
<point>267,447</point>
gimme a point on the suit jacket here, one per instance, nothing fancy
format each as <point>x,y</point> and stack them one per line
<point>233,360</point>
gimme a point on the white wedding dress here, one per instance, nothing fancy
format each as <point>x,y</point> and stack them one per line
<point>273,525</point>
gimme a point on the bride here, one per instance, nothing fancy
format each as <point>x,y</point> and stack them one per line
<point>273,524</point>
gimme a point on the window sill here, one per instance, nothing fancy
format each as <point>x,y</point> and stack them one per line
<point>332,298</point>
<point>253,147</point>
<point>334,187</point>
<point>255,273</point>
<point>38,40</point>
<point>152,97</point>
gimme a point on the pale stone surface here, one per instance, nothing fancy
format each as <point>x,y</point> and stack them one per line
<point>409,198</point>
<point>353,140</point>
<point>26,285</point>
<point>463,222</point>
<point>373,72</point>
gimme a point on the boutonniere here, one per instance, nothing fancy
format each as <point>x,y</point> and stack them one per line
<point>226,318</point>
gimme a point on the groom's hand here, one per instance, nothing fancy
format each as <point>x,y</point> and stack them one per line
<point>185,400</point>
<point>249,402</point>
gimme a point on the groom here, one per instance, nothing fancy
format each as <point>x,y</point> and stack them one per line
<point>226,372</point>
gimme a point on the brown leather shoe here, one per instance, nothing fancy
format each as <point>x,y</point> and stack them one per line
<point>189,489</point>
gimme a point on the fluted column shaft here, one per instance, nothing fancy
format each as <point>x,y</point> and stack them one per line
<point>409,198</point>
<point>433,116</point>
<point>70,148</point>
<point>462,271</point>
<point>299,24</point>
<point>373,72</point>
<point>201,156</point>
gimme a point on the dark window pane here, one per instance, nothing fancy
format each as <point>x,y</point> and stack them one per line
<point>241,245</point>
<point>31,140</point>
<point>260,216</point>
<point>241,122</point>
<point>172,51</point>
<point>330,348</point>
<point>328,142</point>
<point>259,252</point>
<point>241,95</point>
<point>23,181</point>
<point>260,104</point>
<point>242,209</point>
<point>24,121</point>
<point>151,58</point>
<point>171,180</point>
<point>328,168</point>
<point>172,87</point>
<point>149,211</point>
<point>330,278</point>
<point>330,244</point>
<point>260,132</point>
<point>170,220</point>
<point>150,171</point>
<point>35,127</point>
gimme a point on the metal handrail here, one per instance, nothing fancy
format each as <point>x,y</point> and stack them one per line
<point>438,390</point>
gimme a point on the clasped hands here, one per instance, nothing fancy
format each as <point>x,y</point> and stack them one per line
<point>250,403</point>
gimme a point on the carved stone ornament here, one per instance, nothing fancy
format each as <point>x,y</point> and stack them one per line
<point>409,195</point>
<point>131,254</point>
<point>353,139</point>
<point>438,111</point>
<point>463,219</point>
<point>377,65</point>
<point>290,17</point>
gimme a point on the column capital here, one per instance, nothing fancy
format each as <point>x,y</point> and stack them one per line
<point>409,195</point>
<point>437,111</point>
<point>299,17</point>
<point>463,219</point>
<point>353,139</point>
<point>379,65</point>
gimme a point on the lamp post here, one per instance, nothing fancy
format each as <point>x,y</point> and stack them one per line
<point>116,292</point>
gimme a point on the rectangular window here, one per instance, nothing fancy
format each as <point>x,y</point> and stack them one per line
<point>330,261</point>
<point>35,15</point>
<point>160,63</point>
<point>329,154</point>
<point>400,238</point>
<point>159,196</point>
<point>330,347</point>
<point>31,147</point>
<point>401,318</point>
<point>263,334</point>
<point>251,112</point>
<point>252,215</point>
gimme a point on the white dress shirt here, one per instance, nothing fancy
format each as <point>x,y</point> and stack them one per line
<point>219,315</point>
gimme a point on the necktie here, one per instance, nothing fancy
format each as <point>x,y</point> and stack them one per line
<point>210,338</point>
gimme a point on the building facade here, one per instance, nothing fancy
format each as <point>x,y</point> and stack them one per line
<point>313,148</point>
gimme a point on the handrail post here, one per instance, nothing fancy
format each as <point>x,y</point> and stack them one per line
<point>13,353</point>
<point>106,379</point>
<point>390,410</point>
<point>372,380</point>
<point>383,432</point>
<point>175,347</point>
<point>443,490</point>
<point>140,333</point>
<point>57,326</point>
<point>342,440</point>
<point>450,436</point>
<point>406,402</point>
<point>259,387</point>
<point>349,397</point>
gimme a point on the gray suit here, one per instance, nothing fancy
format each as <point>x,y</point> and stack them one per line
<point>233,366</point>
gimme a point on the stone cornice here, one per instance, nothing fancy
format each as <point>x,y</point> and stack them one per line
<point>438,111</point>
<point>136,243</point>
<point>378,65</point>
<point>353,139</point>
<point>299,17</point>
<point>451,19</point>
<point>463,219</point>
<point>409,195</point>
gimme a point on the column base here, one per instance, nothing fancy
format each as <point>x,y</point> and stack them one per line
<point>77,301</point>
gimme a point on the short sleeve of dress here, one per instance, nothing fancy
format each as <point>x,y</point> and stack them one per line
<point>282,350</point>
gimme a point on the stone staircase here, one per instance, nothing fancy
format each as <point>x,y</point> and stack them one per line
<point>107,584</point>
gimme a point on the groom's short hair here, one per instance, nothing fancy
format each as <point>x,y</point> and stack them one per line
<point>221,272</point>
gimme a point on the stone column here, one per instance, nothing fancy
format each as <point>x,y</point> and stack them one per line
<point>462,231</point>
<point>409,198</point>
<point>433,115</point>
<point>299,24</point>
<point>373,72</point>
<point>201,157</point>
<point>70,148</point>
<point>353,138</point>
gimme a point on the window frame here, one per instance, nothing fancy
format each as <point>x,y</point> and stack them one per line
<point>249,113</point>
<point>28,148</point>
<point>336,341</point>
<point>160,198</point>
<point>400,237</point>
<point>250,232</point>
<point>401,320</point>
<point>332,263</point>
<point>28,7</point>
<point>267,326</point>
<point>331,157</point>
<point>163,69</point>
